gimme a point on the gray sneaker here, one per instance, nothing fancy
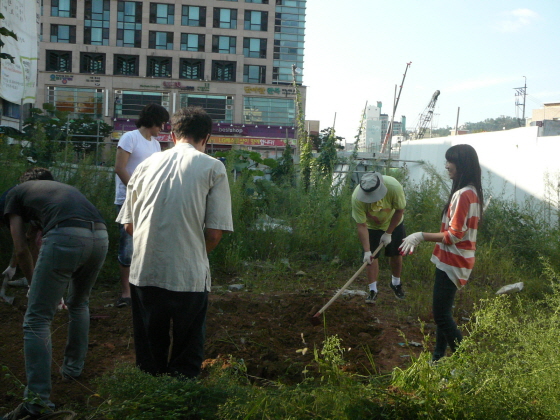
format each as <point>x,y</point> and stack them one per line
<point>399,292</point>
<point>371,297</point>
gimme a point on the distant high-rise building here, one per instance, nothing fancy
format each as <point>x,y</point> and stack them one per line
<point>237,59</point>
<point>375,127</point>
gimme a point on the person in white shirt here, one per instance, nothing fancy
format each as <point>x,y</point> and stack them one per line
<point>177,207</point>
<point>133,148</point>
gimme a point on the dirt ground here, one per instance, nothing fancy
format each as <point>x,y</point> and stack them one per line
<point>265,330</point>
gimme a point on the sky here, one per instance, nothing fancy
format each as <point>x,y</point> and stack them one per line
<point>474,51</point>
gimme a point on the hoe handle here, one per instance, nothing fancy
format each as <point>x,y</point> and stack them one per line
<point>347,284</point>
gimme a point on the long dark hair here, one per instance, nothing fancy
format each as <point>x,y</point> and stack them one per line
<point>465,159</point>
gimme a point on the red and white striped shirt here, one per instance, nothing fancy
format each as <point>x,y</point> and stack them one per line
<point>455,254</point>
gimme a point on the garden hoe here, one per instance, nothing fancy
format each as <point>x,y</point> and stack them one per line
<point>315,320</point>
<point>8,299</point>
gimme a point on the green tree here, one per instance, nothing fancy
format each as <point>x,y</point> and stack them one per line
<point>319,140</point>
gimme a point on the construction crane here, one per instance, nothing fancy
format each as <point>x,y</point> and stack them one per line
<point>425,118</point>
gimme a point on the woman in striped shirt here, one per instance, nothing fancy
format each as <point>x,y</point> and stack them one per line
<point>455,243</point>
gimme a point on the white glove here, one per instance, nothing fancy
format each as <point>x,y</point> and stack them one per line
<point>411,242</point>
<point>10,272</point>
<point>385,239</point>
<point>367,257</point>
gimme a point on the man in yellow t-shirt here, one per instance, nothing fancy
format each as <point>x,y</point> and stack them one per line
<point>378,204</point>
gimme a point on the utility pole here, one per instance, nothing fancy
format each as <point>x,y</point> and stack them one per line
<point>520,92</point>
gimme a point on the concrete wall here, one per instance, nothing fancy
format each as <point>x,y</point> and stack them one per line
<point>515,163</point>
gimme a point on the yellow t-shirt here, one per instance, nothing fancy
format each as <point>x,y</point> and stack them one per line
<point>378,215</point>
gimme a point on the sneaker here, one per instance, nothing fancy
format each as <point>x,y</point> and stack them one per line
<point>19,282</point>
<point>371,297</point>
<point>21,413</point>
<point>123,301</point>
<point>68,378</point>
<point>399,292</point>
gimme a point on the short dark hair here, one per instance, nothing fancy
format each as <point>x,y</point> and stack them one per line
<point>35,174</point>
<point>152,115</point>
<point>192,122</point>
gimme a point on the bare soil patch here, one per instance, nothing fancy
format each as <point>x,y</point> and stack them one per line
<point>265,330</point>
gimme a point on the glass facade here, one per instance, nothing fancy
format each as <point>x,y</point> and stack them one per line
<point>129,24</point>
<point>97,17</point>
<point>76,101</point>
<point>270,111</point>
<point>220,108</point>
<point>289,31</point>
<point>132,102</point>
<point>191,69</point>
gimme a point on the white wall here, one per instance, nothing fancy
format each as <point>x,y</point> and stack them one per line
<point>515,162</point>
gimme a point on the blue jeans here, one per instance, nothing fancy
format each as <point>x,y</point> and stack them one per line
<point>124,255</point>
<point>447,332</point>
<point>69,257</point>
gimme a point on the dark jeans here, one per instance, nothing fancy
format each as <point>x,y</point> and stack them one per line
<point>447,332</point>
<point>153,308</point>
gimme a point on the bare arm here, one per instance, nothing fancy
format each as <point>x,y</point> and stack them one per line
<point>433,237</point>
<point>212,238</point>
<point>129,228</point>
<point>120,165</point>
<point>21,249</point>
<point>395,220</point>
<point>363,235</point>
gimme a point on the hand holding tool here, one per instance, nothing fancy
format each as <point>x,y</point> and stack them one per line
<point>385,239</point>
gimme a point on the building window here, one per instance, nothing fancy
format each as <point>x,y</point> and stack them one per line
<point>96,22</point>
<point>193,16</point>
<point>63,33</point>
<point>220,108</point>
<point>129,24</point>
<point>63,8</point>
<point>191,69</point>
<point>257,1</point>
<point>256,20</point>
<point>59,61</point>
<point>223,70</point>
<point>92,63</point>
<point>132,102</point>
<point>224,44</point>
<point>162,13</point>
<point>254,74</point>
<point>126,65</point>
<point>161,40</point>
<point>270,111</point>
<point>159,67</point>
<point>76,101</point>
<point>254,47</point>
<point>10,109</point>
<point>225,18</point>
<point>192,42</point>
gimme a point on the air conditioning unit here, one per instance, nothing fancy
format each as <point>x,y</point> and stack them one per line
<point>118,92</point>
<point>164,103</point>
<point>229,106</point>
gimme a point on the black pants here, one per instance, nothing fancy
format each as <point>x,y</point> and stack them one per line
<point>153,309</point>
<point>447,332</point>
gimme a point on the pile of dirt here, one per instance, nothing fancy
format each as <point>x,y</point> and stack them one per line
<point>272,333</point>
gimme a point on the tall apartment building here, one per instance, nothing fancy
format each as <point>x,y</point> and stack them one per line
<point>235,58</point>
<point>374,129</point>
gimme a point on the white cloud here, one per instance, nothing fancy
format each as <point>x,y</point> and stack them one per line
<point>517,19</point>
<point>474,84</point>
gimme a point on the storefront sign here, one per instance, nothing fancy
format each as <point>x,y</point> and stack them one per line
<point>251,130</point>
<point>247,141</point>
<point>270,91</point>
<point>64,78</point>
<point>96,80</point>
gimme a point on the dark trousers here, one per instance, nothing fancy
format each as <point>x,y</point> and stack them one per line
<point>153,309</point>
<point>447,332</point>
